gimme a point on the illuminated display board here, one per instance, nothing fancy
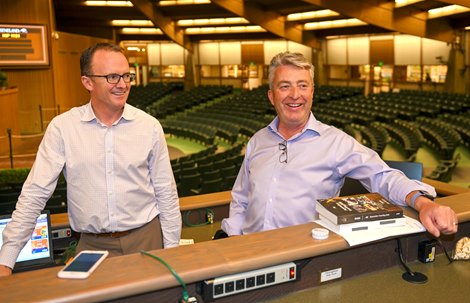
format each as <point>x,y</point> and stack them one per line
<point>23,45</point>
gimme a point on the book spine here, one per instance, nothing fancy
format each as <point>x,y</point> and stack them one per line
<point>369,217</point>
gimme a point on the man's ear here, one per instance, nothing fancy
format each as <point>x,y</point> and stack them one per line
<point>87,83</point>
<point>270,96</point>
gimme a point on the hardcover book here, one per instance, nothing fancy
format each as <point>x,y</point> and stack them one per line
<point>364,225</point>
<point>358,208</point>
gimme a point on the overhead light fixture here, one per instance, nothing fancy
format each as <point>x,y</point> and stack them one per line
<point>212,21</point>
<point>108,3</point>
<point>447,11</point>
<point>141,31</point>
<point>136,49</point>
<point>132,23</point>
<point>401,3</point>
<point>224,30</point>
<point>333,24</point>
<point>182,2</point>
<point>312,15</point>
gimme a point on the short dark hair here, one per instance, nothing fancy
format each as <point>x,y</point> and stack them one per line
<point>87,55</point>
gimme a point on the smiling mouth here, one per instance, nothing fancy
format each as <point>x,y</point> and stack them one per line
<point>294,105</point>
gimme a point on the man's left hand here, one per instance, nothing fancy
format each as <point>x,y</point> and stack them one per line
<point>437,219</point>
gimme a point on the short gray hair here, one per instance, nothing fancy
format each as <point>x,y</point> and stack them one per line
<point>288,58</point>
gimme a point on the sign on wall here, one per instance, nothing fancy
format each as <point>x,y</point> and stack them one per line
<point>23,45</point>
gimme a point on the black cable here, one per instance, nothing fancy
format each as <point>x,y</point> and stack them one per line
<point>401,258</point>
<point>439,242</point>
<point>409,275</point>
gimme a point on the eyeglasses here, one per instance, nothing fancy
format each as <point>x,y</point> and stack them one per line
<point>115,78</point>
<point>283,149</point>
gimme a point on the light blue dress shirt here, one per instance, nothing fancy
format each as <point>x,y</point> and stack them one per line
<point>270,194</point>
<point>118,177</point>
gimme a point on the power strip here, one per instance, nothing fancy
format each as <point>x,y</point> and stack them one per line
<point>247,281</point>
<point>61,233</point>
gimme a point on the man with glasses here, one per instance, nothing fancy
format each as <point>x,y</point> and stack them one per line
<point>296,160</point>
<point>121,193</point>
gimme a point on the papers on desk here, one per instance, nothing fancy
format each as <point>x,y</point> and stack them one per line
<point>363,236</point>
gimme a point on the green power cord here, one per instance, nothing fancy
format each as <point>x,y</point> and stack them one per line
<point>209,218</point>
<point>185,296</point>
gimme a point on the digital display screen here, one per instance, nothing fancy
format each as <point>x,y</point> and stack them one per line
<point>83,262</point>
<point>38,246</point>
<point>23,45</point>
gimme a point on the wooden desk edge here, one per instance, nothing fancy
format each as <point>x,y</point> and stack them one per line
<point>186,203</point>
<point>193,263</point>
<point>445,189</point>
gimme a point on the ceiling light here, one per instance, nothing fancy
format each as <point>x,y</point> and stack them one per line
<point>132,23</point>
<point>224,30</point>
<point>447,11</point>
<point>401,3</point>
<point>333,24</point>
<point>182,2</point>
<point>312,15</point>
<point>141,31</point>
<point>213,21</point>
<point>108,3</point>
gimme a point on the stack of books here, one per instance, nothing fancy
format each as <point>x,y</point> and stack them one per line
<point>359,212</point>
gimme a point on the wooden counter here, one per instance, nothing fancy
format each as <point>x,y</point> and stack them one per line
<point>217,201</point>
<point>139,278</point>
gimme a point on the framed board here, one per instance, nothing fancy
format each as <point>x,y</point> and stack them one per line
<point>23,46</point>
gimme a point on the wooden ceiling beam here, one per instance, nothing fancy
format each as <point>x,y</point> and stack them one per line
<point>168,26</point>
<point>269,20</point>
<point>383,15</point>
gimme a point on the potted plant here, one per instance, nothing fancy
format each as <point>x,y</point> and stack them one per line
<point>3,80</point>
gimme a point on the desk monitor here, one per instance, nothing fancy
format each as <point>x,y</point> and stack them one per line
<point>38,251</point>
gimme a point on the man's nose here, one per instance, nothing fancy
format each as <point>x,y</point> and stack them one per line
<point>295,92</point>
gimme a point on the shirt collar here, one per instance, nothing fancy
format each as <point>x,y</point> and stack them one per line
<point>313,125</point>
<point>128,113</point>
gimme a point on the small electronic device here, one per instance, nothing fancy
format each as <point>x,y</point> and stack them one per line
<point>83,264</point>
<point>37,252</point>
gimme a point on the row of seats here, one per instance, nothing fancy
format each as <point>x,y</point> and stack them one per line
<point>142,96</point>
<point>211,173</point>
<point>57,203</point>
<point>181,101</point>
<point>445,169</point>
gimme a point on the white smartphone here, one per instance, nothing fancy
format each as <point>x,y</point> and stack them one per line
<point>83,264</point>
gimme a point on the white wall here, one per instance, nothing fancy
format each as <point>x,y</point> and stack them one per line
<point>272,48</point>
<point>407,50</point>
<point>172,54</point>
<point>300,48</point>
<point>358,50</point>
<point>209,53</point>
<point>230,53</point>
<point>153,53</point>
<point>336,51</point>
<point>433,49</point>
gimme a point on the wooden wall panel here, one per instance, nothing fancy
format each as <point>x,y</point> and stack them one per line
<point>252,53</point>
<point>382,51</point>
<point>35,86</point>
<point>66,51</point>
